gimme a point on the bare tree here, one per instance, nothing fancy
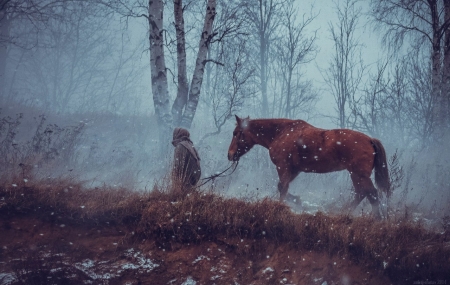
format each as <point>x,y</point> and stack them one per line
<point>158,72</point>
<point>393,106</point>
<point>232,85</point>
<point>294,48</point>
<point>396,105</point>
<point>183,86</point>
<point>14,16</point>
<point>197,78</point>
<point>83,63</point>
<point>184,107</point>
<point>444,109</point>
<point>215,31</point>
<point>424,23</point>
<point>346,68</point>
<point>5,22</point>
<point>381,109</point>
<point>420,104</point>
<point>263,18</point>
<point>368,109</point>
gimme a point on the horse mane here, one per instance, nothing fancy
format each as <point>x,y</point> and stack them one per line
<point>279,121</point>
<point>276,125</point>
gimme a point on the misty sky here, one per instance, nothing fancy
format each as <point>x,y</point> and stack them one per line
<point>326,14</point>
<point>370,40</point>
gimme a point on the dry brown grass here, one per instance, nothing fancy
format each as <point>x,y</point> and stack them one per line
<point>71,202</point>
<point>400,250</point>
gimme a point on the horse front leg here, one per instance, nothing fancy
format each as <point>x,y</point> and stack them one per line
<point>293,198</point>
<point>286,196</point>
<point>283,187</point>
<point>283,184</point>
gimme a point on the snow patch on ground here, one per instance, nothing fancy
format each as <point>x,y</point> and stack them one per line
<point>201,257</point>
<point>105,269</point>
<point>89,268</point>
<point>311,208</point>
<point>140,262</point>
<point>189,281</point>
<point>7,278</point>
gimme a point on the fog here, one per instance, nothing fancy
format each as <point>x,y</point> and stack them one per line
<point>77,100</point>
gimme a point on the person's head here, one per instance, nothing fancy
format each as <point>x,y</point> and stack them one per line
<point>179,133</point>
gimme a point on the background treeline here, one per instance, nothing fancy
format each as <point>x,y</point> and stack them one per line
<point>102,61</point>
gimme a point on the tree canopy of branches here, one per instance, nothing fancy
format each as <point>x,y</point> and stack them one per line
<point>20,22</point>
<point>230,88</point>
<point>294,48</point>
<point>424,24</point>
<point>263,19</point>
<point>346,67</point>
<point>78,62</point>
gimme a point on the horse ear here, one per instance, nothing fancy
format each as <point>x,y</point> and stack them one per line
<point>238,120</point>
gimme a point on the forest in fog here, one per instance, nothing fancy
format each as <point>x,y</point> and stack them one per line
<point>91,89</point>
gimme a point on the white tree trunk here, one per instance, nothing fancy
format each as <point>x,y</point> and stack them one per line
<point>158,73</point>
<point>197,77</point>
<point>183,88</point>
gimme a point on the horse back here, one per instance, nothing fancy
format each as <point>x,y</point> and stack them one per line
<point>306,148</point>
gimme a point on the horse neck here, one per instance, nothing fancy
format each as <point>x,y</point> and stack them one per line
<point>265,131</point>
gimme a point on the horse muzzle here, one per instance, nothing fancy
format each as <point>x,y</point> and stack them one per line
<point>233,156</point>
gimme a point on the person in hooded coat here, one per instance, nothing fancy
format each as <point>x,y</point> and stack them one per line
<point>186,165</point>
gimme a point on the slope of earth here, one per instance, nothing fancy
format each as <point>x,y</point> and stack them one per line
<point>44,252</point>
<point>59,233</point>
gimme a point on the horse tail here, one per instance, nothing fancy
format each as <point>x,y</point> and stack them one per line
<point>381,167</point>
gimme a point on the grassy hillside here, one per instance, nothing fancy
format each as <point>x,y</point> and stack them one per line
<point>107,222</point>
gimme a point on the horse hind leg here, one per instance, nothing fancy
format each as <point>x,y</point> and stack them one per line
<point>372,195</point>
<point>364,188</point>
<point>356,200</point>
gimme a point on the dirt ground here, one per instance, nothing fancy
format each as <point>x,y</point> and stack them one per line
<point>34,251</point>
<point>60,233</point>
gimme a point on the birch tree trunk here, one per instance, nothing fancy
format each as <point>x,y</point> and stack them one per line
<point>158,73</point>
<point>183,88</point>
<point>197,78</point>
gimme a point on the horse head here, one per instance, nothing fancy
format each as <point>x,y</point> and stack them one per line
<point>242,140</point>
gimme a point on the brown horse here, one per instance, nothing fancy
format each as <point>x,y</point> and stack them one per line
<point>296,146</point>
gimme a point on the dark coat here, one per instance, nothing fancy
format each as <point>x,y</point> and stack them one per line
<point>186,165</point>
